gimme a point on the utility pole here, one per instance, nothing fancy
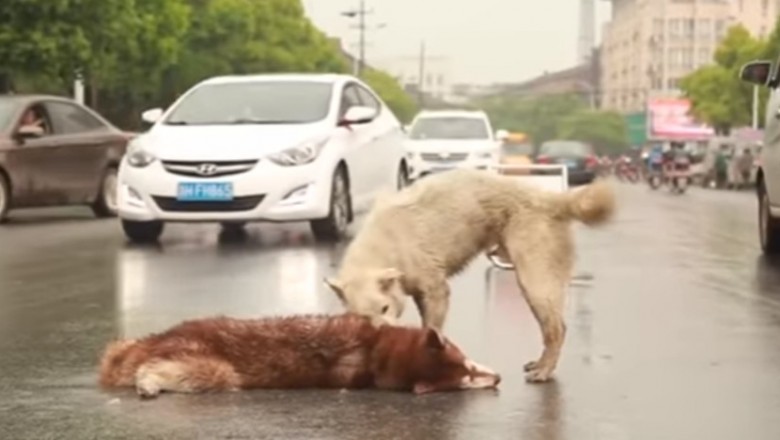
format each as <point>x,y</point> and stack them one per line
<point>362,26</point>
<point>421,79</point>
<point>361,13</point>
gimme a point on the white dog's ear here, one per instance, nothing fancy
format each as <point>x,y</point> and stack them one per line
<point>335,286</point>
<point>389,276</point>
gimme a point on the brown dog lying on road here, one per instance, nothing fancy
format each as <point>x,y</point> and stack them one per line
<point>344,351</point>
<point>414,240</point>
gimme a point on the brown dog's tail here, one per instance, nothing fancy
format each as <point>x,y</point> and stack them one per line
<point>115,368</point>
<point>593,204</point>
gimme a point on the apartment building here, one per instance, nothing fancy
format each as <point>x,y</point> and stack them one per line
<point>648,45</point>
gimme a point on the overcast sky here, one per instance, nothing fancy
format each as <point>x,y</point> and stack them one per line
<point>487,40</point>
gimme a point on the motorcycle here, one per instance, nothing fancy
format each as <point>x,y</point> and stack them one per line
<point>678,176</point>
<point>627,171</point>
<point>655,176</point>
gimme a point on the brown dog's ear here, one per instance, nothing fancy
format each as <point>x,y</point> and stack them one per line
<point>389,276</point>
<point>336,287</point>
<point>433,339</point>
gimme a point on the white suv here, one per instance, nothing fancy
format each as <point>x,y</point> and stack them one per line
<point>277,148</point>
<point>440,140</point>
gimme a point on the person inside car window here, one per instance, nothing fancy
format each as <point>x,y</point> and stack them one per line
<point>32,119</point>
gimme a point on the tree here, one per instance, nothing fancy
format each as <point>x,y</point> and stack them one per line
<point>718,97</point>
<point>606,131</point>
<point>539,117</point>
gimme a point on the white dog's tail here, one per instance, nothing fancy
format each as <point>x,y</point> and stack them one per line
<point>592,204</point>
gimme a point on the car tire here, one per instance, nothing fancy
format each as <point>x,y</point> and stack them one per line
<point>334,226</point>
<point>142,232</point>
<point>768,226</point>
<point>5,198</point>
<point>233,226</point>
<point>402,180</point>
<point>105,204</point>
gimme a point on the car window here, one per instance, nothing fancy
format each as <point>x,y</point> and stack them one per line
<point>563,148</point>
<point>349,98</point>
<point>37,115</point>
<point>254,102</point>
<point>368,99</point>
<point>8,109</point>
<point>455,127</point>
<point>70,119</point>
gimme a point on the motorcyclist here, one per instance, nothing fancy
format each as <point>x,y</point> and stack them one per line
<point>655,158</point>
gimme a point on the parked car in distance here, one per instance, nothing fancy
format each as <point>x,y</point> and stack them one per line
<point>766,74</point>
<point>441,140</point>
<point>262,148</point>
<point>56,152</point>
<point>580,159</point>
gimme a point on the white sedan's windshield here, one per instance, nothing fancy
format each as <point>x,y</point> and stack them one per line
<point>262,102</point>
<point>449,128</point>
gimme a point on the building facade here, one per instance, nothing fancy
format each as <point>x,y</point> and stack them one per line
<point>436,71</point>
<point>649,45</point>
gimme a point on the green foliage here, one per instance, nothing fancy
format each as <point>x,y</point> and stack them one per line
<point>606,131</point>
<point>551,117</point>
<point>717,95</point>
<point>392,93</point>
<point>135,54</point>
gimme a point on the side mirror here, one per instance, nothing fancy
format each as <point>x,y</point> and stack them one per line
<point>152,116</point>
<point>756,72</point>
<point>29,132</point>
<point>502,135</point>
<point>358,115</point>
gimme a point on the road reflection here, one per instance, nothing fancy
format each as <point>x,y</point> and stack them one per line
<point>158,287</point>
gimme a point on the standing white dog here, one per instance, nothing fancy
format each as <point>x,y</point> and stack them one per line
<point>414,240</point>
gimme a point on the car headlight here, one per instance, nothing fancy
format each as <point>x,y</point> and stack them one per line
<point>138,157</point>
<point>300,155</point>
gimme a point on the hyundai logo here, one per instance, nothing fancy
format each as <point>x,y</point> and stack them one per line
<point>207,169</point>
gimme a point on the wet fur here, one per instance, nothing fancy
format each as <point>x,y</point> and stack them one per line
<point>423,235</point>
<point>313,351</point>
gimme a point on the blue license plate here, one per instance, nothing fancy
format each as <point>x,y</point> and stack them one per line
<point>205,192</point>
<point>571,163</point>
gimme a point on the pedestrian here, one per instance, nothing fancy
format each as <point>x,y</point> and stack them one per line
<point>721,168</point>
<point>745,168</point>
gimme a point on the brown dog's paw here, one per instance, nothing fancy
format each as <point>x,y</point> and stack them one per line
<point>147,391</point>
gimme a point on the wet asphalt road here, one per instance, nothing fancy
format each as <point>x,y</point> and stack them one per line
<point>676,337</point>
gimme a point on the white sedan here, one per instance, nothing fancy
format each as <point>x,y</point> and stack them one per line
<point>275,148</point>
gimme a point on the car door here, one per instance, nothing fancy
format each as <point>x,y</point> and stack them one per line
<point>385,142</point>
<point>355,139</point>
<point>83,141</point>
<point>29,165</point>
<point>770,156</point>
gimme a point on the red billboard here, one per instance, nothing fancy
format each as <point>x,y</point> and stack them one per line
<point>669,118</point>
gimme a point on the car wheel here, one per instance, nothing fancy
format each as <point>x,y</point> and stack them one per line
<point>334,226</point>
<point>142,232</point>
<point>402,180</point>
<point>768,227</point>
<point>5,198</point>
<point>233,226</point>
<point>106,203</point>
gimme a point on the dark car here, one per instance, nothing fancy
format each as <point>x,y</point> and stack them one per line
<point>55,152</point>
<point>580,159</point>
